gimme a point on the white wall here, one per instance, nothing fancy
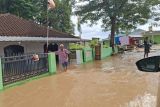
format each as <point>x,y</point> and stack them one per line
<point>33,47</point>
<point>29,47</point>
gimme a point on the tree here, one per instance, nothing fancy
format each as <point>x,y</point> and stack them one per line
<point>79,26</point>
<point>36,10</point>
<point>21,8</point>
<point>116,14</point>
<point>59,18</point>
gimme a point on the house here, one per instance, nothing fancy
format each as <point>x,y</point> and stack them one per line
<point>20,36</point>
<point>153,35</point>
<point>137,35</point>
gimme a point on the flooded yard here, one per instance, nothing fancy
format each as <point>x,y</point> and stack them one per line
<point>113,82</point>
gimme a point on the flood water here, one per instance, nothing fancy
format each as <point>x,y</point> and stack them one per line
<point>113,82</point>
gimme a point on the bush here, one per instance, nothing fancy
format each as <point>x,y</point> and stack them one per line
<point>93,43</point>
<point>105,46</point>
<point>74,46</point>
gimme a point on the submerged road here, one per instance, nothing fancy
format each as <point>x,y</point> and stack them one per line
<point>113,82</point>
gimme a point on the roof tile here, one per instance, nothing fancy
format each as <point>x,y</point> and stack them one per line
<point>11,25</point>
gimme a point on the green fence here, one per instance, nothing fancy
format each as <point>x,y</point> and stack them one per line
<point>105,52</point>
<point>52,63</point>
<point>51,70</point>
<point>93,53</point>
<point>79,56</point>
<point>88,54</point>
<point>1,77</point>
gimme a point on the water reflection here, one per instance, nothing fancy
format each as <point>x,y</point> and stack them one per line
<point>147,100</point>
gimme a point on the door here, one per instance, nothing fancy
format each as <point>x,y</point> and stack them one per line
<point>13,50</point>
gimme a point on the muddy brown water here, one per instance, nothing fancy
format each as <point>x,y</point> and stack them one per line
<point>113,82</point>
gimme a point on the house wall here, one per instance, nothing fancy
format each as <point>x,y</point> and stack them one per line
<point>4,44</point>
<point>33,47</point>
<point>29,47</point>
<point>156,38</point>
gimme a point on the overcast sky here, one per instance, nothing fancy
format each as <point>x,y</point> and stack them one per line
<point>89,32</point>
<point>96,31</point>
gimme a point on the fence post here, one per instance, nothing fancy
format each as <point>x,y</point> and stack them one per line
<point>1,76</point>
<point>79,56</point>
<point>52,63</point>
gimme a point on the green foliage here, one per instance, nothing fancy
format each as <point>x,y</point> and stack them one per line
<point>36,10</point>
<point>59,18</point>
<point>128,14</point>
<point>22,8</point>
<point>106,43</point>
<point>105,46</point>
<point>157,39</point>
<point>93,43</point>
<point>74,46</point>
<point>63,17</point>
<point>116,14</point>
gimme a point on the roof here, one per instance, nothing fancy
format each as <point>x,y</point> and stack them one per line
<point>106,39</point>
<point>36,39</point>
<point>120,34</point>
<point>136,36</point>
<point>152,33</point>
<point>137,33</point>
<point>11,25</point>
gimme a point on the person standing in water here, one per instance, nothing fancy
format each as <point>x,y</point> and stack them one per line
<point>146,47</point>
<point>63,56</point>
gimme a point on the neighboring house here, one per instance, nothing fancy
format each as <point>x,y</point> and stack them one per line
<point>137,35</point>
<point>19,36</point>
<point>153,35</point>
<point>120,35</point>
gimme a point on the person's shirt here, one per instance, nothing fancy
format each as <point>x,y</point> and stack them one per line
<point>63,55</point>
<point>146,44</point>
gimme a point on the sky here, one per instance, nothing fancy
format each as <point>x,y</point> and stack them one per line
<point>88,32</point>
<point>96,30</point>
